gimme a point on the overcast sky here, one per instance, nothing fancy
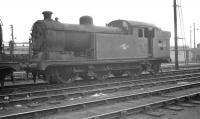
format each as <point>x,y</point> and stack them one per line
<point>23,13</point>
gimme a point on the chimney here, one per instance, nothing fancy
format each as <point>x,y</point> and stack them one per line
<point>47,15</point>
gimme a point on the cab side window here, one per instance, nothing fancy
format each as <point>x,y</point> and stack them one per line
<point>140,33</point>
<point>149,32</point>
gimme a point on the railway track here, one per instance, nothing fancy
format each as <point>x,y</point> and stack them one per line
<point>46,86</point>
<point>81,91</point>
<point>112,93</point>
<point>55,90</point>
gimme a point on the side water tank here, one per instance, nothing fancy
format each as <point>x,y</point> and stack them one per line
<point>86,20</point>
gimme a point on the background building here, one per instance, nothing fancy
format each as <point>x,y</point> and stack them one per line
<point>186,54</point>
<point>196,54</point>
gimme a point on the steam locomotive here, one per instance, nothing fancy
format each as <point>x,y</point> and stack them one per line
<point>6,67</point>
<point>68,52</point>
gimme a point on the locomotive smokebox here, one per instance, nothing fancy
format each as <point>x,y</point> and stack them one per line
<point>86,20</point>
<point>47,15</point>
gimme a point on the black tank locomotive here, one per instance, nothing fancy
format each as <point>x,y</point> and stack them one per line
<point>67,52</point>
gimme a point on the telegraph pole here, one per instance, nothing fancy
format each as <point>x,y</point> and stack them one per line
<point>190,37</point>
<point>11,43</point>
<point>194,36</point>
<point>11,26</point>
<point>194,42</point>
<point>175,36</point>
<point>1,39</point>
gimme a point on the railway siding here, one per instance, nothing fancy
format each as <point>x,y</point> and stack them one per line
<point>49,103</point>
<point>85,103</point>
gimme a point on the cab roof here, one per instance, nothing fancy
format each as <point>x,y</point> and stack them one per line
<point>133,23</point>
